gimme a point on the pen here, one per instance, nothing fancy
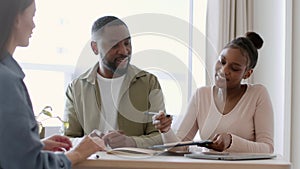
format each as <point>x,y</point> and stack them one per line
<point>154,113</point>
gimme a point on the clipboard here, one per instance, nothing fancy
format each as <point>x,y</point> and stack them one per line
<point>231,156</point>
<point>204,143</point>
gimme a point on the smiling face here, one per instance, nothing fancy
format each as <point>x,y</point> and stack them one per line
<point>24,25</point>
<point>115,49</point>
<point>231,68</point>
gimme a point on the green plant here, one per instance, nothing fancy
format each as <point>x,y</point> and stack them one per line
<point>47,111</point>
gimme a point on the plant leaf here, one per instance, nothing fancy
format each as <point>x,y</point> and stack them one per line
<point>66,125</point>
<point>47,113</point>
<point>47,107</point>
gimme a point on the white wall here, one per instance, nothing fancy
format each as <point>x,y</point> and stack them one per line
<point>295,142</point>
<point>279,22</point>
<point>269,22</point>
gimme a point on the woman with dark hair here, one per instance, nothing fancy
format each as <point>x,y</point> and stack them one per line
<point>237,117</point>
<point>20,146</point>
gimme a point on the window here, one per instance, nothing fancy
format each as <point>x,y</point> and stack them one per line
<point>164,45</point>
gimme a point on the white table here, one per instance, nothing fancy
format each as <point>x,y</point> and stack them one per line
<point>108,161</point>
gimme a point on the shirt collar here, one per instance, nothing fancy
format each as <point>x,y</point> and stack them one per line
<point>133,73</point>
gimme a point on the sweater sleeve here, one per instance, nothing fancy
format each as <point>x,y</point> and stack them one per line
<point>188,126</point>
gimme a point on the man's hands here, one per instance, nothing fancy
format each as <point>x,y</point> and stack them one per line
<point>114,138</point>
<point>57,143</point>
<point>162,122</point>
<point>117,139</point>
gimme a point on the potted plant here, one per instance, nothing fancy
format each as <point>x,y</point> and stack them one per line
<point>47,112</point>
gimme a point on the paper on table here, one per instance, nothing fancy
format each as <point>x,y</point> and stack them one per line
<point>133,151</point>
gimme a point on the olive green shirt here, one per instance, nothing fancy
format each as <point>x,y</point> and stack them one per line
<point>140,92</point>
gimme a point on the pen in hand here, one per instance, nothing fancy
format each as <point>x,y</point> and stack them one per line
<point>155,113</point>
<point>161,121</point>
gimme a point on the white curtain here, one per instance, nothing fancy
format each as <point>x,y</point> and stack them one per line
<point>226,19</point>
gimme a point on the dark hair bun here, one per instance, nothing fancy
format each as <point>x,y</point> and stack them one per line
<point>255,39</point>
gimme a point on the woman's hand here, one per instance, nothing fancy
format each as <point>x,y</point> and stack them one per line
<point>57,143</point>
<point>88,146</point>
<point>162,122</point>
<point>221,142</point>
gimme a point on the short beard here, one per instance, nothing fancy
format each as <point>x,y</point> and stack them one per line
<point>115,70</point>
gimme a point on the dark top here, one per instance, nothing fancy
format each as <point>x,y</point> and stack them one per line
<point>20,145</point>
